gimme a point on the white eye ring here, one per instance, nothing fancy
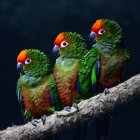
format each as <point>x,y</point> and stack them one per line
<point>28,61</point>
<point>64,44</point>
<point>101,31</point>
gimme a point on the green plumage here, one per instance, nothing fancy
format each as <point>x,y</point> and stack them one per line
<point>113,34</point>
<point>113,54</point>
<point>40,65</point>
<point>72,69</point>
<point>36,89</point>
<point>52,87</point>
<point>112,59</point>
<point>87,73</point>
<point>77,47</point>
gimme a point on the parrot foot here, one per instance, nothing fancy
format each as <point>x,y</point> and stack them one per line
<point>43,119</point>
<point>106,91</point>
<point>34,122</point>
<point>75,105</point>
<point>67,108</point>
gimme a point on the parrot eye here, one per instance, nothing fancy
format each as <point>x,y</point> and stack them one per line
<point>101,31</point>
<point>64,44</point>
<point>28,61</point>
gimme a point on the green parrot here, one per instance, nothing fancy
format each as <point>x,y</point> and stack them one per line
<point>113,55</point>
<point>36,88</point>
<point>72,77</point>
<point>113,58</point>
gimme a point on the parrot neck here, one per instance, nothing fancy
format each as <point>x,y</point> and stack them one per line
<point>63,63</point>
<point>106,48</point>
<point>73,55</point>
<point>31,81</point>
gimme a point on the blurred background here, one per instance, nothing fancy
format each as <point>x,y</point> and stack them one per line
<point>35,24</point>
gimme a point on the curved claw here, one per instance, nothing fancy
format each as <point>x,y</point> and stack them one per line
<point>106,91</point>
<point>43,119</point>
<point>67,108</point>
<point>75,105</point>
<point>34,122</point>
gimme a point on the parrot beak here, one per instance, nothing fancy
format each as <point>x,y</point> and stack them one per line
<point>19,67</point>
<point>56,51</point>
<point>92,37</point>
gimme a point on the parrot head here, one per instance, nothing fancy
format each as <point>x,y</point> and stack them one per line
<point>70,45</point>
<point>33,62</point>
<point>106,31</point>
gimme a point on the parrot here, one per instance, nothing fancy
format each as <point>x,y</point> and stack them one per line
<point>108,40</point>
<point>71,76</point>
<point>72,72</point>
<point>36,88</point>
<point>107,37</point>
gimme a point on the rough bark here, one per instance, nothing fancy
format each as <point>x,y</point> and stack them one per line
<point>92,108</point>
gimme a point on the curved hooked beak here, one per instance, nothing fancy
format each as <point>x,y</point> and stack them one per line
<point>92,37</point>
<point>56,51</point>
<point>19,67</point>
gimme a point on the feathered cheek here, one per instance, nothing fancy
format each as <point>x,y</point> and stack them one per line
<point>61,50</point>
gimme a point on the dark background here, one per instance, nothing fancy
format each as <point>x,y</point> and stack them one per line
<point>35,24</point>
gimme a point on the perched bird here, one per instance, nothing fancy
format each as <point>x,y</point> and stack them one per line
<point>113,57</point>
<point>72,73</point>
<point>36,89</point>
<point>69,71</point>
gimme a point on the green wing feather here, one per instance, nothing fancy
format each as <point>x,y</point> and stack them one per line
<point>18,92</point>
<point>86,78</point>
<point>22,108</point>
<point>24,111</point>
<point>127,65</point>
<point>127,54</point>
<point>94,75</point>
<point>57,104</point>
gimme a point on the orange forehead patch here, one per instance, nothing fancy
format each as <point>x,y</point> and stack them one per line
<point>97,25</point>
<point>59,39</point>
<point>22,56</point>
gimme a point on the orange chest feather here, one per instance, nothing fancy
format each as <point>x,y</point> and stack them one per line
<point>66,85</point>
<point>110,71</point>
<point>37,100</point>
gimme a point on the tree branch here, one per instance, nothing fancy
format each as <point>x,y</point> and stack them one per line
<point>88,109</point>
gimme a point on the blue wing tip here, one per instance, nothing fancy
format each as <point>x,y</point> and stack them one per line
<point>52,97</point>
